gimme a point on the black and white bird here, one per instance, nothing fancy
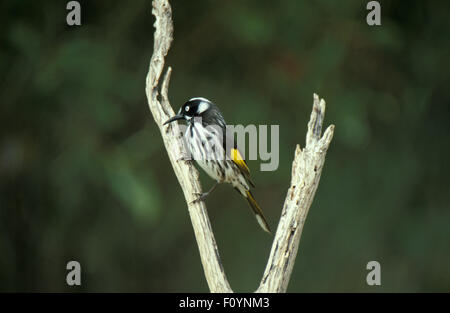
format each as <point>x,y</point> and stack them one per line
<point>212,146</point>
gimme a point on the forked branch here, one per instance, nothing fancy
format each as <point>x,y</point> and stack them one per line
<point>306,170</point>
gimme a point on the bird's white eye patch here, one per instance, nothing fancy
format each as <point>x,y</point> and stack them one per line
<point>202,107</point>
<point>199,98</point>
<point>187,108</point>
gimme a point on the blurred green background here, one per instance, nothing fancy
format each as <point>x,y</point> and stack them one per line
<point>84,175</point>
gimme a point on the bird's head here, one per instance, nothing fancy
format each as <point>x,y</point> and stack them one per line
<point>201,109</point>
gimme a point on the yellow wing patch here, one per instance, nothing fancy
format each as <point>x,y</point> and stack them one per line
<point>237,158</point>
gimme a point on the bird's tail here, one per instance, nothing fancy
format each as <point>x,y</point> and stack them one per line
<point>258,212</point>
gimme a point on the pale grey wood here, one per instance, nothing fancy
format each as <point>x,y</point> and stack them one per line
<point>306,170</point>
<point>186,173</point>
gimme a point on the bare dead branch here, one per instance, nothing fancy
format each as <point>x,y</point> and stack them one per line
<point>306,170</point>
<point>186,173</point>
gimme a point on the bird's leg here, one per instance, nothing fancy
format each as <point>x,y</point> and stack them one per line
<point>185,157</point>
<point>202,196</point>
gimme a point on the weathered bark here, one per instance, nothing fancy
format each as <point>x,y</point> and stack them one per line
<point>306,171</point>
<point>186,173</point>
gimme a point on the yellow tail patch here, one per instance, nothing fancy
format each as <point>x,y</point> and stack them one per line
<point>258,212</point>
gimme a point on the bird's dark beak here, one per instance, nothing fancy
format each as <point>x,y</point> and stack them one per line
<point>174,118</point>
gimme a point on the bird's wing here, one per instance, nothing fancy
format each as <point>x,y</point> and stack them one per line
<point>235,155</point>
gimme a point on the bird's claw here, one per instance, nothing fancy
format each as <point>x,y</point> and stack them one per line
<point>184,158</point>
<point>201,197</point>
